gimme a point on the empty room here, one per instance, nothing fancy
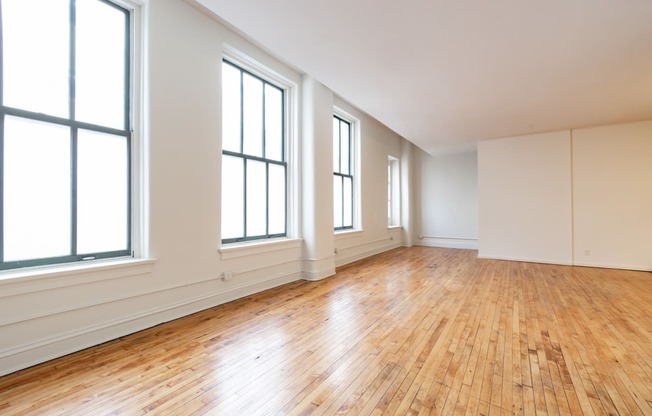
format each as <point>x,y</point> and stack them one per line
<point>215,207</point>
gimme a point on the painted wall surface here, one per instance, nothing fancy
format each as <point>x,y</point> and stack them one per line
<point>372,235</point>
<point>52,312</point>
<point>612,191</point>
<point>448,200</point>
<point>525,198</point>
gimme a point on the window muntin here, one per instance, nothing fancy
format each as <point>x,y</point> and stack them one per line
<point>254,165</point>
<point>342,174</point>
<point>64,132</point>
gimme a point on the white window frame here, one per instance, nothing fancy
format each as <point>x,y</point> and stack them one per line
<point>246,62</point>
<point>393,192</point>
<point>138,188</point>
<point>355,167</point>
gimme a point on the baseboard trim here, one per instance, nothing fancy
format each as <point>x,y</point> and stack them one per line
<point>613,266</point>
<point>367,253</point>
<point>463,243</point>
<point>32,353</point>
<point>525,259</point>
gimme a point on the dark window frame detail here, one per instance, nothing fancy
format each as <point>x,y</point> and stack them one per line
<point>247,157</point>
<point>341,175</point>
<point>74,127</point>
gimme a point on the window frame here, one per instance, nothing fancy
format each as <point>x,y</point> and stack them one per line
<point>393,192</point>
<point>266,79</point>
<point>352,165</point>
<point>131,110</point>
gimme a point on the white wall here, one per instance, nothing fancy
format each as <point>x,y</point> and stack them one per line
<point>612,189</point>
<point>448,200</point>
<point>525,198</point>
<point>51,312</point>
<point>373,236</point>
<point>536,204</point>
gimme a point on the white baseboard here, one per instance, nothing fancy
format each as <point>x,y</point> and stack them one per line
<point>318,269</point>
<point>343,260</point>
<point>647,268</point>
<point>525,259</point>
<point>36,352</point>
<point>463,243</point>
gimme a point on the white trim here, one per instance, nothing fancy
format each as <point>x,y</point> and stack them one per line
<point>41,279</point>
<point>318,269</point>
<point>641,268</point>
<point>291,90</point>
<point>356,160</point>
<point>257,247</point>
<point>344,234</point>
<point>341,261</point>
<point>449,242</point>
<point>525,259</point>
<point>31,353</point>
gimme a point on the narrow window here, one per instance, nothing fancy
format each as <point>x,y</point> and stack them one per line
<point>393,199</point>
<point>254,166</point>
<point>342,174</point>
<point>65,132</point>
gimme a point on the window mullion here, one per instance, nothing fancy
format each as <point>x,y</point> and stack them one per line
<point>73,130</point>
<point>244,217</point>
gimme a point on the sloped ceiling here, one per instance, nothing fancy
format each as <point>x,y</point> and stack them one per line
<point>447,73</point>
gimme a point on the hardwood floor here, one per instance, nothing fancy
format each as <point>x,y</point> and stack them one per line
<point>411,331</point>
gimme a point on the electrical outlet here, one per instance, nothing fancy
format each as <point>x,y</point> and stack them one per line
<point>587,252</point>
<point>227,276</point>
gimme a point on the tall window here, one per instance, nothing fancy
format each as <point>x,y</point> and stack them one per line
<point>65,132</point>
<point>254,167</point>
<point>393,200</point>
<point>342,174</point>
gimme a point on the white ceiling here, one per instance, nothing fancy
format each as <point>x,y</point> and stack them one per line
<point>446,73</point>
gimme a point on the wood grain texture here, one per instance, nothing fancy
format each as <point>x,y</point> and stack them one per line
<point>411,331</point>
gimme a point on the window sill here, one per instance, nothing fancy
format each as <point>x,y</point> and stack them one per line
<point>393,227</point>
<point>15,282</point>
<point>249,248</point>
<point>342,234</point>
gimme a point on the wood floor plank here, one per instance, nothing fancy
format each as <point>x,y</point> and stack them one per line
<point>418,330</point>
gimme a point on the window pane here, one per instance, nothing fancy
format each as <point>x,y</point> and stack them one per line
<point>232,197</point>
<point>336,145</point>
<point>36,190</point>
<point>100,64</point>
<point>346,146</point>
<point>273,123</point>
<point>230,108</point>
<point>36,55</point>
<point>276,199</point>
<point>256,199</point>
<point>253,115</point>
<point>337,201</point>
<point>348,202</point>
<point>102,192</point>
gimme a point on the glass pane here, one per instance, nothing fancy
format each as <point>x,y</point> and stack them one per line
<point>232,197</point>
<point>36,190</point>
<point>276,199</point>
<point>337,201</point>
<point>100,64</point>
<point>230,108</point>
<point>347,194</point>
<point>253,115</point>
<point>346,147</point>
<point>389,193</point>
<point>273,123</point>
<point>36,55</point>
<point>336,145</point>
<point>256,199</point>
<point>102,192</point>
